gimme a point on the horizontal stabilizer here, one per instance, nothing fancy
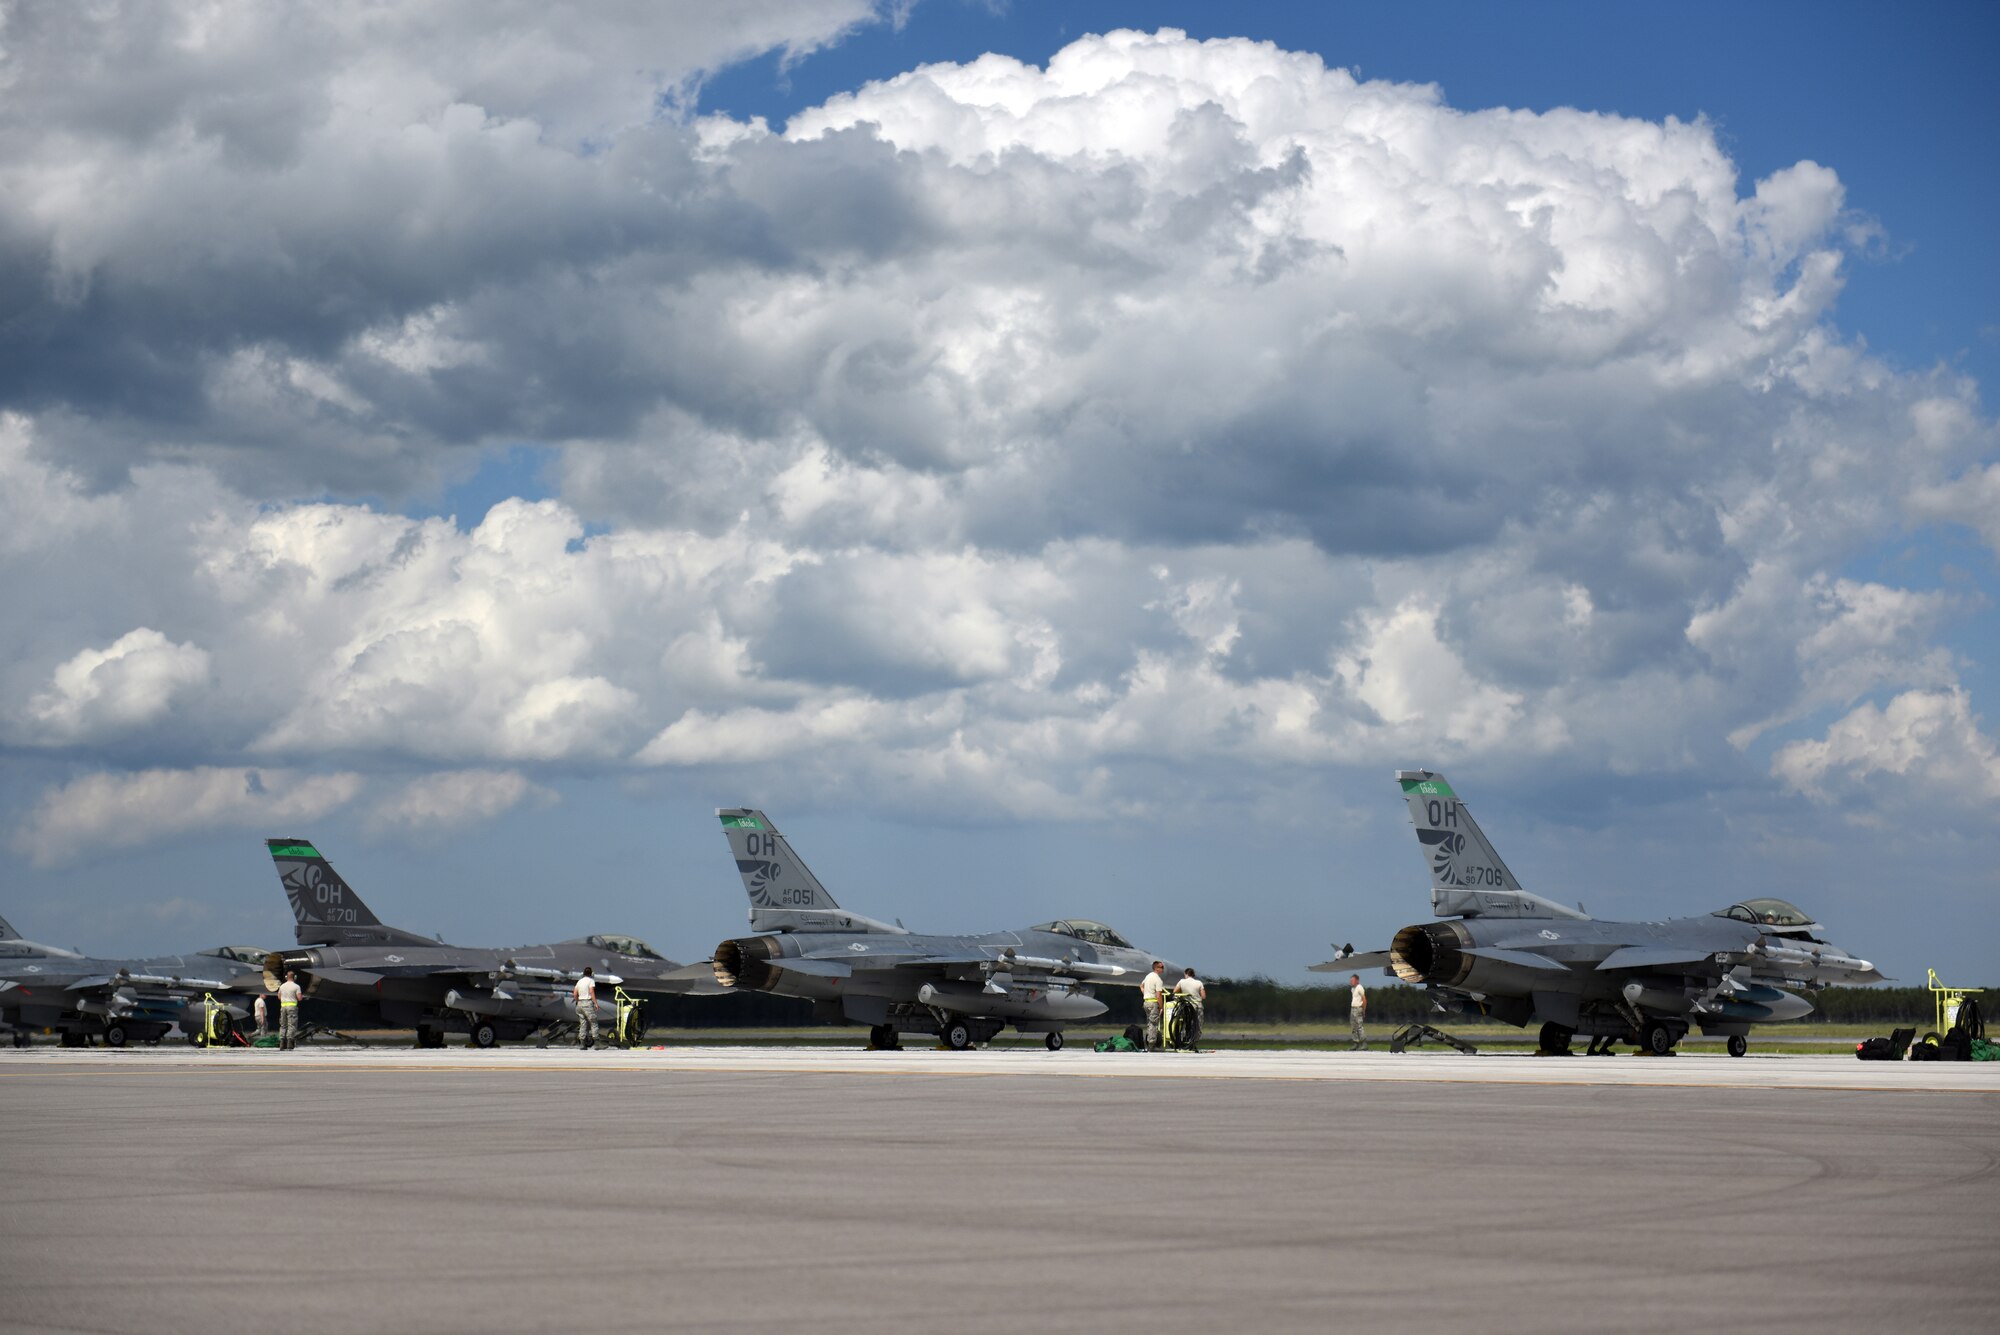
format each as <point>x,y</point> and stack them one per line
<point>817,968</point>
<point>1354,963</point>
<point>1652,957</point>
<point>1520,959</point>
<point>703,972</point>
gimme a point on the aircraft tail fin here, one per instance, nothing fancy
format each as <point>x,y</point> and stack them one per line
<point>1468,879</point>
<point>328,911</point>
<point>784,894</point>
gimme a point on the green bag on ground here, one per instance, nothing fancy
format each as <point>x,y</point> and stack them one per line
<point>1116,1043</point>
<point>1984,1050</point>
<point>267,1041</point>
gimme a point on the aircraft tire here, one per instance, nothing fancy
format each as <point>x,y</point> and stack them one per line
<point>483,1035</point>
<point>1556,1037</point>
<point>1738,1045</point>
<point>1658,1038</point>
<point>957,1036</point>
<point>1054,1040</point>
<point>22,1038</point>
<point>114,1036</point>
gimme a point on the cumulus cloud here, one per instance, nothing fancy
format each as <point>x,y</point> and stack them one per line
<point>455,798</point>
<point>107,811</point>
<point>129,683</point>
<point>1932,739</point>
<point>1972,500</point>
<point>1054,436</point>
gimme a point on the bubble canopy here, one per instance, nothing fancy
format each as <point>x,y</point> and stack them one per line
<point>1083,929</point>
<point>623,945</point>
<point>1768,913</point>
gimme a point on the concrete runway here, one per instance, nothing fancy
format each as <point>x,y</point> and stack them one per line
<point>760,1189</point>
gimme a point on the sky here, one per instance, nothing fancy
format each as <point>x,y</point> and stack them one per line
<point>1057,460</point>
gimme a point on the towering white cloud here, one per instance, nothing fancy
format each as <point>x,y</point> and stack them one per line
<point>1055,438</point>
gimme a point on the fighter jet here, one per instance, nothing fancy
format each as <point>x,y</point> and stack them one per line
<point>965,989</point>
<point>1513,956</point>
<point>416,982</point>
<point>120,1001</point>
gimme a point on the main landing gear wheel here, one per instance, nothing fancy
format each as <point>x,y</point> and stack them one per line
<point>483,1035</point>
<point>957,1036</point>
<point>1054,1041</point>
<point>429,1038</point>
<point>1556,1037</point>
<point>114,1036</point>
<point>1658,1038</point>
<point>1738,1045</point>
<point>882,1038</point>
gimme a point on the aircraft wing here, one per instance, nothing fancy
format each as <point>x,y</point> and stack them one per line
<point>1352,962</point>
<point>183,983</point>
<point>347,977</point>
<point>1652,957</point>
<point>1025,966</point>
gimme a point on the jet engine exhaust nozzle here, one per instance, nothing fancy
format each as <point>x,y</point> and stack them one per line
<point>1432,952</point>
<point>740,963</point>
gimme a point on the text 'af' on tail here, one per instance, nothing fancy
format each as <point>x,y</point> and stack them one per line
<point>784,894</point>
<point>1468,879</point>
<point>327,910</point>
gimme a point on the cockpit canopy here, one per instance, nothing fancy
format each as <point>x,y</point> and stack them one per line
<point>1775,913</point>
<point>623,945</point>
<point>1083,929</point>
<point>241,954</point>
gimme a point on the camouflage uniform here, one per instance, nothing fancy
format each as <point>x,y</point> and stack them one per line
<point>1357,1010</point>
<point>1152,988</point>
<point>289,996</point>
<point>585,993</point>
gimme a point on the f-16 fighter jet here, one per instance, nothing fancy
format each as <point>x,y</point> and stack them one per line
<point>1517,957</point>
<point>414,982</point>
<point>964,989</point>
<point>119,1000</point>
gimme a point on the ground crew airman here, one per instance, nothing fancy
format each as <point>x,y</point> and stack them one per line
<point>1193,992</point>
<point>289,993</point>
<point>263,1016</point>
<point>585,993</point>
<point>1357,1010</point>
<point>1151,989</point>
